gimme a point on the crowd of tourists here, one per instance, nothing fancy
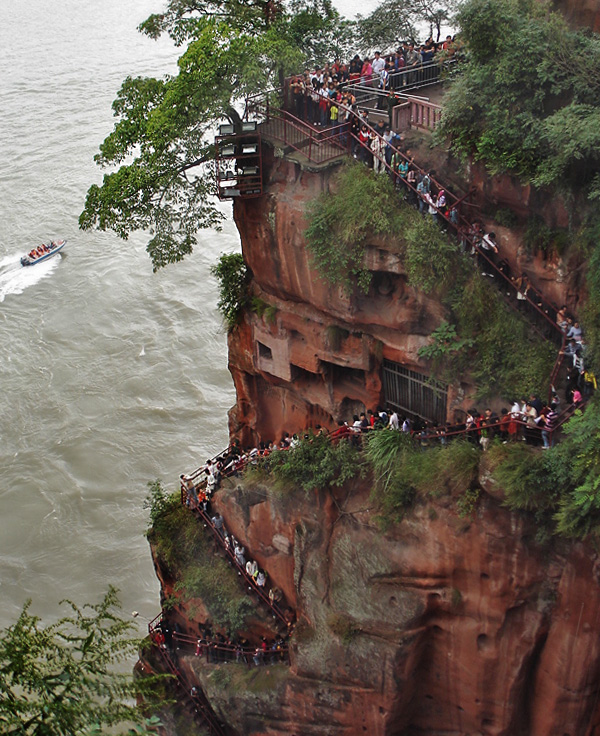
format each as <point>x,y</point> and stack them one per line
<point>217,647</point>
<point>337,81</point>
<point>323,98</point>
<point>199,490</point>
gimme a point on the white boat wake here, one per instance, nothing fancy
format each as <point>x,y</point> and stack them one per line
<point>14,278</point>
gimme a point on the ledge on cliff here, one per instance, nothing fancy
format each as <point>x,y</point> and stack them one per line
<point>432,621</point>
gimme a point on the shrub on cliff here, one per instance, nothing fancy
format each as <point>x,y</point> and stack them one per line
<point>232,275</point>
<point>579,507</point>
<point>401,471</point>
<point>182,548</point>
<point>500,349</point>
<point>316,463</point>
<point>363,206</point>
<point>561,485</point>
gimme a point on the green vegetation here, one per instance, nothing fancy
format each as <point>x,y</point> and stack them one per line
<point>506,356</point>
<point>526,99</point>
<point>485,337</point>
<point>59,679</point>
<point>398,19</point>
<point>162,140</point>
<point>263,309</point>
<point>482,335</point>
<point>233,277</point>
<point>219,589</point>
<point>183,549</point>
<point>560,486</point>
<point>362,207</point>
<point>445,344</point>
<point>401,471</point>
<point>316,463</point>
<point>526,102</point>
<point>588,242</point>
<point>467,502</point>
<point>539,237</point>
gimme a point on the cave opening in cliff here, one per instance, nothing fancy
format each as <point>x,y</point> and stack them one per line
<point>343,374</point>
<point>413,393</point>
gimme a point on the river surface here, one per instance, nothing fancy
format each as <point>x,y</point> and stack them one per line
<point>110,375</point>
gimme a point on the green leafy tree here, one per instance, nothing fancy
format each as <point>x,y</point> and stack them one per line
<point>397,20</point>
<point>526,99</point>
<point>388,24</point>
<point>162,140</point>
<point>579,509</point>
<point>60,679</point>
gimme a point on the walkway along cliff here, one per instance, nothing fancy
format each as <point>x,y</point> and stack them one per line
<point>444,623</point>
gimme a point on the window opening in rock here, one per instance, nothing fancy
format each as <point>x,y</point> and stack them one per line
<point>265,352</point>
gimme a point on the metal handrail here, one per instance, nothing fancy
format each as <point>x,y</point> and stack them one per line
<point>540,305</point>
<point>440,430</point>
<point>276,610</point>
<point>229,652</point>
<point>199,699</point>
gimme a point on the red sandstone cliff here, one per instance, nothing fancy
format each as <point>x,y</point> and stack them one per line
<point>441,625</point>
<point>319,360</point>
<point>581,13</point>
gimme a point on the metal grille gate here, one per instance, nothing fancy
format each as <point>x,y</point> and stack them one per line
<point>414,393</point>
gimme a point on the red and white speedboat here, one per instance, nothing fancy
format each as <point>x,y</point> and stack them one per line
<point>47,251</point>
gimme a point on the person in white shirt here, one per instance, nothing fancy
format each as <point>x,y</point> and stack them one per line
<point>394,421</point>
<point>378,65</point>
<point>488,246</point>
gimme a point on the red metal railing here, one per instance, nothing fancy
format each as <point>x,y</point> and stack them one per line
<point>344,139</point>
<point>278,610</point>
<point>215,653</point>
<point>424,115</point>
<point>193,691</point>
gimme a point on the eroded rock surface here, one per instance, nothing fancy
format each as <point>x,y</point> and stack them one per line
<point>441,625</point>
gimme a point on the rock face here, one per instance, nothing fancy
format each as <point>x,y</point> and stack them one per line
<point>319,358</point>
<point>581,13</point>
<point>440,626</point>
<point>316,355</point>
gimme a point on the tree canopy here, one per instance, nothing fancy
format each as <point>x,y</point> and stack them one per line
<point>526,99</point>
<point>162,139</point>
<point>59,679</point>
